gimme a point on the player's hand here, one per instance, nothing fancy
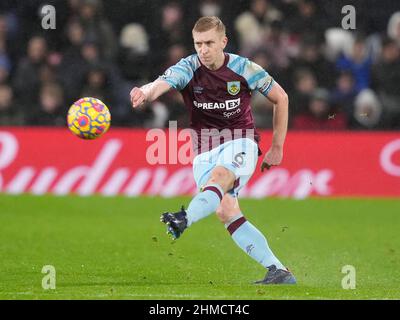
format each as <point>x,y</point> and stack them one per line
<point>137,97</point>
<point>272,158</point>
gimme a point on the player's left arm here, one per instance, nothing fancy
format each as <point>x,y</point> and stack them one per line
<point>280,100</point>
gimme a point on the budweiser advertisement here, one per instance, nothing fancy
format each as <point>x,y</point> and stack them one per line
<point>156,162</point>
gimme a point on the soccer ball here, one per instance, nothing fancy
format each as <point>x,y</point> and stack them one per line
<point>88,118</point>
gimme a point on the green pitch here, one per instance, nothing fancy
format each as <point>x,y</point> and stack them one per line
<point>116,248</point>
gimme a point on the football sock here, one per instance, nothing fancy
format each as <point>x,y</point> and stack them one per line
<point>204,203</point>
<point>252,241</point>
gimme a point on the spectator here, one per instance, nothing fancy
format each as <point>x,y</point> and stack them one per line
<point>336,42</point>
<point>277,46</point>
<point>305,84</point>
<point>89,70</point>
<point>386,79</point>
<point>75,68</point>
<point>10,115</point>
<point>5,69</point>
<point>7,43</point>
<point>3,37</point>
<point>74,7</point>
<point>393,29</point>
<point>72,65</point>
<point>311,57</point>
<point>75,35</point>
<point>26,81</point>
<point>252,26</point>
<point>95,86</point>
<point>210,8</point>
<point>358,62</point>
<point>97,28</point>
<point>343,95</point>
<point>51,110</point>
<point>320,114</point>
<point>48,73</point>
<point>174,53</point>
<point>172,23</point>
<point>367,110</point>
<point>134,52</point>
<point>309,20</point>
<point>169,29</point>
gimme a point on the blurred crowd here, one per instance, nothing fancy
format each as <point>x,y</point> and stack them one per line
<point>336,79</point>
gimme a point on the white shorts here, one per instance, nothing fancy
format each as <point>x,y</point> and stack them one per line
<point>239,156</point>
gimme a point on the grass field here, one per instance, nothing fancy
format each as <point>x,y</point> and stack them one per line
<point>116,248</point>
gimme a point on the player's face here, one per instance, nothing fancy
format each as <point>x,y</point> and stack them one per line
<point>209,46</point>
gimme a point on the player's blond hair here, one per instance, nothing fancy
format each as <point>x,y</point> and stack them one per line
<point>208,23</point>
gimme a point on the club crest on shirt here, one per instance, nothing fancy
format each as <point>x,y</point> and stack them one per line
<point>233,87</point>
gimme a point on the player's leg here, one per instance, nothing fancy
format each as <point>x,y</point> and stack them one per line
<point>231,160</point>
<point>212,182</point>
<point>203,204</point>
<point>216,172</point>
<point>251,241</point>
<point>207,201</point>
<point>245,234</point>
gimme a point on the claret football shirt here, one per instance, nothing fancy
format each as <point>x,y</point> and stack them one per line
<point>218,101</point>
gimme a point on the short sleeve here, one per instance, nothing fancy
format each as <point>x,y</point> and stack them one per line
<point>180,74</point>
<point>258,78</point>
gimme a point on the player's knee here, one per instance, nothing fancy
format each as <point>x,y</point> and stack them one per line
<point>223,177</point>
<point>219,174</point>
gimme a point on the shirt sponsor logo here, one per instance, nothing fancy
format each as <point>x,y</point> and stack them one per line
<point>230,114</point>
<point>232,104</point>
<point>227,105</point>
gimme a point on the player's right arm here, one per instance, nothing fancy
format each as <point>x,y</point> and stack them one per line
<point>149,92</point>
<point>176,76</point>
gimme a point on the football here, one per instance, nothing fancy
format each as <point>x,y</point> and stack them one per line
<point>88,118</point>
